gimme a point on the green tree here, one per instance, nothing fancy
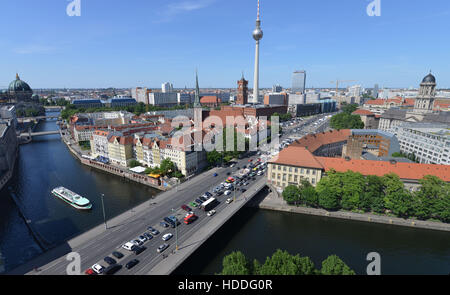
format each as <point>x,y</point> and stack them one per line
<point>291,194</point>
<point>372,198</point>
<point>431,198</point>
<point>352,189</point>
<point>214,157</point>
<point>333,265</point>
<point>167,166</point>
<point>282,263</point>
<point>397,199</point>
<point>308,194</point>
<point>134,163</point>
<point>329,190</point>
<point>236,264</point>
<point>346,121</point>
<point>349,108</point>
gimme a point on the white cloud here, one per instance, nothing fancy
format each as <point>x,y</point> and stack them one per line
<point>173,9</point>
<point>34,49</point>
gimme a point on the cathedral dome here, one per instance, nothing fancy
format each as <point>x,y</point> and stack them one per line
<point>429,79</point>
<point>20,89</point>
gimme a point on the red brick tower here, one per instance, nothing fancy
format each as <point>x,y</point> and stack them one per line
<point>242,97</point>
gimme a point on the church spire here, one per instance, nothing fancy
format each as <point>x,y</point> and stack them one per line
<point>17,76</point>
<point>197,91</point>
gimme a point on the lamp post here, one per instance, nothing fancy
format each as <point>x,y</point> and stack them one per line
<point>176,230</point>
<point>104,215</point>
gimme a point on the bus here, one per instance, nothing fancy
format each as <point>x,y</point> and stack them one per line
<point>209,204</point>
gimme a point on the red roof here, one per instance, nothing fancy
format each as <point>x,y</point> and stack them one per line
<point>296,156</point>
<point>363,112</point>
<point>315,141</point>
<point>210,99</point>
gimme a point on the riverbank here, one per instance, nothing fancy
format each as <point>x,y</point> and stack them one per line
<point>142,179</point>
<point>274,202</point>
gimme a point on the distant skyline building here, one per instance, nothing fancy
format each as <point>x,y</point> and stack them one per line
<point>277,88</point>
<point>167,87</point>
<point>375,91</point>
<point>257,35</point>
<point>298,82</point>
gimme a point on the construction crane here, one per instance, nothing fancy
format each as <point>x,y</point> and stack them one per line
<point>338,82</point>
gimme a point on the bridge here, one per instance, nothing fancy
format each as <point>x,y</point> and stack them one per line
<point>37,118</point>
<point>102,240</point>
<point>34,134</point>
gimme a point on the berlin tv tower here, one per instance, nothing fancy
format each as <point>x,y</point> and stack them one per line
<point>257,35</point>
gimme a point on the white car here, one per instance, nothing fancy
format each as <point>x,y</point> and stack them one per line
<point>260,173</point>
<point>226,193</point>
<point>211,213</point>
<point>167,237</point>
<point>137,242</point>
<point>129,246</point>
<point>98,268</point>
<point>229,200</point>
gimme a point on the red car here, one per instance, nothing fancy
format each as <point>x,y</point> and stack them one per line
<point>89,272</point>
<point>186,208</point>
<point>190,218</point>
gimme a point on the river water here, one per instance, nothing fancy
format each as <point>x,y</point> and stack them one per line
<point>46,163</point>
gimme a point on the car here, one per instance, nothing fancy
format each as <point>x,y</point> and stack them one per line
<point>186,208</point>
<point>90,272</point>
<point>199,201</point>
<point>243,190</point>
<point>131,263</point>
<point>162,248</point>
<point>215,174</point>
<point>219,193</point>
<point>148,236</point>
<point>193,204</point>
<point>163,224</point>
<point>137,242</point>
<point>260,173</point>
<point>211,213</point>
<point>246,183</point>
<point>228,173</point>
<point>227,193</point>
<point>154,232</point>
<point>167,237</point>
<point>112,269</point>
<point>142,239</point>
<point>116,254</point>
<point>109,260</point>
<point>139,250</point>
<point>203,198</point>
<point>98,268</point>
<point>229,200</point>
<point>129,246</point>
<point>232,165</point>
<point>208,194</point>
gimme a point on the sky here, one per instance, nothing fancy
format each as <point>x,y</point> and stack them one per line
<point>117,43</point>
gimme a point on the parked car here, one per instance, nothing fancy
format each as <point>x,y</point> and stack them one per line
<point>90,272</point>
<point>162,248</point>
<point>199,202</point>
<point>211,213</point>
<point>154,231</point>
<point>193,204</point>
<point>139,250</point>
<point>186,208</point>
<point>112,269</point>
<point>219,193</point>
<point>130,246</point>
<point>167,237</point>
<point>229,200</point>
<point>137,242</point>
<point>215,174</point>
<point>163,224</point>
<point>131,263</point>
<point>148,236</point>
<point>227,193</point>
<point>142,239</point>
<point>109,260</point>
<point>116,254</point>
<point>98,268</point>
<point>243,190</point>
<point>208,194</point>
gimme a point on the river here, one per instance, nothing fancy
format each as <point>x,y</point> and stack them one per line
<point>46,163</point>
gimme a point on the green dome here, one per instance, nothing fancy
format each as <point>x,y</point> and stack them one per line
<point>19,86</point>
<point>19,90</point>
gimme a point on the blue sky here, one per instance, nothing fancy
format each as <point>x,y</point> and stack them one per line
<point>130,43</point>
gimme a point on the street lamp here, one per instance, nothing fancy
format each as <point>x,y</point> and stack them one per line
<point>176,230</point>
<point>104,215</point>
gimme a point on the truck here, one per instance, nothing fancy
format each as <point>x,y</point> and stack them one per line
<point>209,204</point>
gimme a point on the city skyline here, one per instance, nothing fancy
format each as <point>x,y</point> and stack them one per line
<point>95,50</point>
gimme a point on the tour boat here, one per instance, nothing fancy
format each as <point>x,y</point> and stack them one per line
<point>72,198</point>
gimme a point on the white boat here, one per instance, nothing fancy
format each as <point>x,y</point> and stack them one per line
<point>72,198</point>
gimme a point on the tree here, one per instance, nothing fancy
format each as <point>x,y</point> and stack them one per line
<point>329,190</point>
<point>167,166</point>
<point>352,189</point>
<point>214,157</point>
<point>333,265</point>
<point>349,108</point>
<point>282,263</point>
<point>236,264</point>
<point>431,198</point>
<point>308,194</point>
<point>291,194</point>
<point>134,163</point>
<point>397,199</point>
<point>346,121</point>
<point>372,198</point>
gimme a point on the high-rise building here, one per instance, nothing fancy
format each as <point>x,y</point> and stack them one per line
<point>167,87</point>
<point>277,88</point>
<point>257,35</point>
<point>242,97</point>
<point>375,91</point>
<point>298,81</point>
